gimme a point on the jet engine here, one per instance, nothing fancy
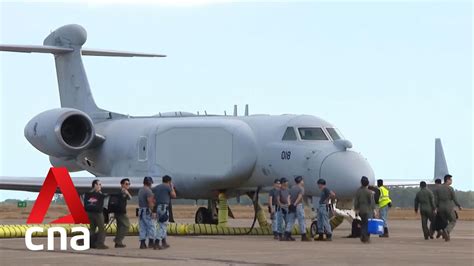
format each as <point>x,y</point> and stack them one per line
<point>62,132</point>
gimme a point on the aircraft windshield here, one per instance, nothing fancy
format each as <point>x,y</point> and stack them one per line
<point>312,133</point>
<point>334,132</point>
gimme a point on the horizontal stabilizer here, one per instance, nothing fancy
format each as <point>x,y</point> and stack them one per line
<point>35,49</point>
<point>97,52</point>
<point>62,50</point>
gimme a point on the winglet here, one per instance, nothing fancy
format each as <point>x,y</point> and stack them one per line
<point>440,167</point>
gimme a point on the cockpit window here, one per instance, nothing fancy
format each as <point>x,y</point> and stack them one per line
<point>312,133</point>
<point>334,133</point>
<point>289,134</point>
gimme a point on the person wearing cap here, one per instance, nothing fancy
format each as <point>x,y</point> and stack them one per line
<point>283,199</point>
<point>323,216</point>
<point>273,207</point>
<point>164,192</point>
<point>146,202</point>
<point>296,210</point>
<point>385,203</point>
<point>425,201</point>
<point>364,206</point>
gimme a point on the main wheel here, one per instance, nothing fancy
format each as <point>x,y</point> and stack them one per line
<point>203,216</point>
<point>314,228</point>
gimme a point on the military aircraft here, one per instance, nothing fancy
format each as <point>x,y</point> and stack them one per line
<point>205,154</point>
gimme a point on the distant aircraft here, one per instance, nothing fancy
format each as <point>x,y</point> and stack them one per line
<point>205,154</point>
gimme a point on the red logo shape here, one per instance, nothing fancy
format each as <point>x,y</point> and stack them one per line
<point>58,177</point>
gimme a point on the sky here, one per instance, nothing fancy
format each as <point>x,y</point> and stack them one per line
<point>392,76</point>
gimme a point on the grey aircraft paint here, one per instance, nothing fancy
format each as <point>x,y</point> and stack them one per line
<point>203,154</point>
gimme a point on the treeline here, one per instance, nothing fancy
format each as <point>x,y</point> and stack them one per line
<point>404,197</point>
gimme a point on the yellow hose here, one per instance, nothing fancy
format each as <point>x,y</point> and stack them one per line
<point>19,230</point>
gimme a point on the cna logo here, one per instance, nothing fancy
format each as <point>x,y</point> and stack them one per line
<point>58,177</point>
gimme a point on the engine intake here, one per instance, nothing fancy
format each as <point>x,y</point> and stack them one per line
<point>62,132</point>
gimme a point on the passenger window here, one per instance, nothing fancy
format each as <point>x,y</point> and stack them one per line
<point>312,133</point>
<point>334,134</point>
<point>289,134</point>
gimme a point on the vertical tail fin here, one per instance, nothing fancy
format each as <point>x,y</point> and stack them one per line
<point>74,90</point>
<point>66,45</point>
<point>440,167</point>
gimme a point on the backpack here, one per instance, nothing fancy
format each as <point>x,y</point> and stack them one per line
<point>117,203</point>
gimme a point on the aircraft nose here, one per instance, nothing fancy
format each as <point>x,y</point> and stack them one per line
<point>343,171</point>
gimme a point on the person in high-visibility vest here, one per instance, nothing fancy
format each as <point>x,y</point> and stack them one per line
<point>384,204</point>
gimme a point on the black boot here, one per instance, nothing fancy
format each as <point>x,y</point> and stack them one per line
<point>285,237</point>
<point>275,235</point>
<point>164,244</point>
<point>290,238</point>
<point>304,238</point>
<point>157,244</point>
<point>142,244</point>
<point>151,243</point>
<point>280,237</point>
<point>328,237</point>
<point>385,232</point>
<point>320,237</point>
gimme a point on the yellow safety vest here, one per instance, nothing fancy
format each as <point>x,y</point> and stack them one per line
<point>384,199</point>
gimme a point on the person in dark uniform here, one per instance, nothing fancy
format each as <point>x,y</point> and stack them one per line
<point>445,201</point>
<point>164,192</point>
<point>123,223</point>
<point>273,208</point>
<point>436,186</point>
<point>364,206</point>
<point>96,217</point>
<point>425,202</point>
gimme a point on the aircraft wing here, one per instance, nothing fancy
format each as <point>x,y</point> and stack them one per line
<point>405,182</point>
<point>82,184</point>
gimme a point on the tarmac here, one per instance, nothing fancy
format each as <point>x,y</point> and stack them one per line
<point>405,246</point>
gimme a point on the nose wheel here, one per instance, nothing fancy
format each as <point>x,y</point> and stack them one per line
<point>204,216</point>
<point>314,228</point>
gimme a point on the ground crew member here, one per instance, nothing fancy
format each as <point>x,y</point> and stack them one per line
<point>296,210</point>
<point>437,185</point>
<point>445,201</point>
<point>384,204</point>
<point>163,195</point>
<point>283,199</point>
<point>323,216</point>
<point>273,208</point>
<point>425,201</point>
<point>123,223</point>
<point>146,202</point>
<point>364,206</point>
<point>96,218</point>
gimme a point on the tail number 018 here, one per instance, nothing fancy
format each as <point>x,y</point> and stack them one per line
<point>285,155</point>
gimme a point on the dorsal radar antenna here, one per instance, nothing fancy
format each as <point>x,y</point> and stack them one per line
<point>235,109</point>
<point>246,110</point>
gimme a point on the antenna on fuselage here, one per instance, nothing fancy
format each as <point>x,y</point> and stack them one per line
<point>225,113</point>
<point>246,110</point>
<point>235,109</point>
<point>205,112</point>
